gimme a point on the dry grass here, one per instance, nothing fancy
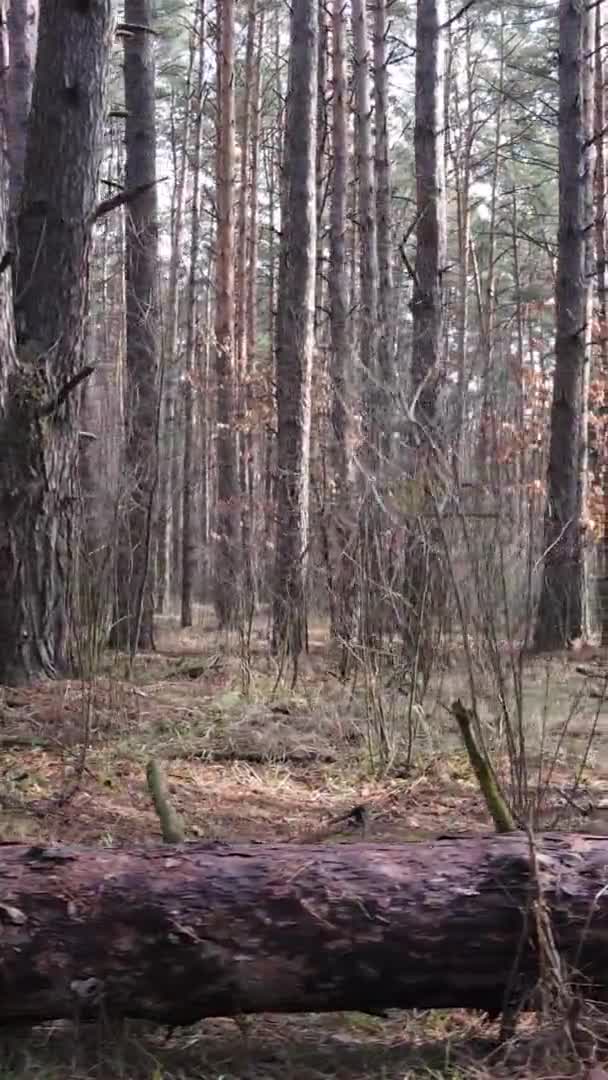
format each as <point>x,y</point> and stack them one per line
<point>298,758</point>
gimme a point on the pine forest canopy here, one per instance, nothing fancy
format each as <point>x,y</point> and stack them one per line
<point>303,309</point>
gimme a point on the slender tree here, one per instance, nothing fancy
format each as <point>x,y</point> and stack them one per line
<point>601,253</point>
<point>226,562</point>
<point>180,140</point>
<point>386,316</point>
<point>295,330</point>
<point>560,611</point>
<point>372,390</point>
<point>340,365</point>
<point>244,343</point>
<point>431,257</point>
<point>133,627</point>
<point>188,531</point>
<point>38,430</point>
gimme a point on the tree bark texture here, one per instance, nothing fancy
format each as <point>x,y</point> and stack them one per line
<point>174,934</point>
<point>599,450</point>
<point>368,238</point>
<point>7,339</point>
<point>295,329</point>
<point>371,562</point>
<point>386,314</point>
<point>135,599</point>
<point>431,259</point>
<point>166,526</point>
<point>189,532</point>
<point>226,554</point>
<point>22,28</point>
<point>343,524</point>
<point>37,429</point>
<point>560,614</point>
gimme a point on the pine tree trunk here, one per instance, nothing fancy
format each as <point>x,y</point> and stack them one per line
<point>427,331</point>
<point>22,30</point>
<point>270,441</point>
<point>601,254</point>
<point>560,612</point>
<point>188,531</point>
<point>342,518</point>
<point>134,614</point>
<point>295,332</point>
<point>255,522</point>
<point>38,463</point>
<point>170,360</point>
<point>372,607</point>
<point>424,585</point>
<point>226,562</point>
<point>386,315</point>
<point>487,310</point>
<point>244,343</point>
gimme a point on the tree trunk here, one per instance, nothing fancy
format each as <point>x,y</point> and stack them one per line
<point>295,331</point>
<point>245,343</point>
<point>170,361</point>
<point>487,448</point>
<point>427,330</point>
<point>176,934</point>
<point>37,429</point>
<point>255,522</point>
<point>226,562</point>
<point>134,615</point>
<point>7,373</point>
<point>601,254</point>
<point>424,589</point>
<point>370,530</point>
<point>560,612</point>
<point>386,315</point>
<point>22,29</point>
<point>461,153</point>
<point>188,530</point>
<point>340,371</point>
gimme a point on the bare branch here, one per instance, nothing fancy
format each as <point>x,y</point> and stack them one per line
<point>66,390</point>
<point>123,197</point>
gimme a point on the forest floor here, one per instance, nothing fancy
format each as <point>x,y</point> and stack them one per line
<point>246,757</point>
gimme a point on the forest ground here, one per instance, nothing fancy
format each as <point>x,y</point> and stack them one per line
<point>307,755</point>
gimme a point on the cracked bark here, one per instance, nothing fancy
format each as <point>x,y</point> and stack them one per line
<point>176,934</point>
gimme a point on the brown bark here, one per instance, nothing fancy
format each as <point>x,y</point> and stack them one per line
<point>372,607</point>
<point>135,600</point>
<point>176,934</point>
<point>601,254</point>
<point>241,324</point>
<point>245,343</point>
<point>255,438</point>
<point>39,443</point>
<point>295,330</point>
<point>188,531</point>
<point>342,518</point>
<point>226,562</point>
<point>424,590</point>
<point>560,613</point>
<point>427,345</point>
<point>273,171</point>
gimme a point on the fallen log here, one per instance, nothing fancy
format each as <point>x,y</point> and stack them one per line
<point>174,934</point>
